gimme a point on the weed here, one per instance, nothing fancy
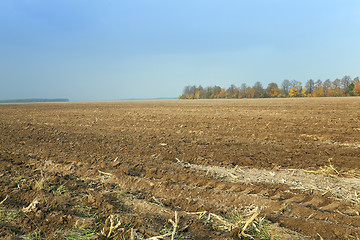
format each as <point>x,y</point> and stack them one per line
<point>121,195</point>
<point>61,190</point>
<point>166,230</point>
<point>85,211</point>
<point>84,196</point>
<point>59,231</point>
<point>35,235</point>
<point>8,215</point>
<point>80,234</point>
<point>177,235</point>
<point>84,207</point>
<point>237,216</point>
<point>256,227</point>
<point>261,229</point>
<point>21,180</point>
<point>124,234</point>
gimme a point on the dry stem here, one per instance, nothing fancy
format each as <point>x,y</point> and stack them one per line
<point>31,206</point>
<point>105,173</point>
<point>175,226</point>
<point>7,196</point>
<point>256,213</point>
<point>331,166</point>
<point>132,234</point>
<point>112,228</point>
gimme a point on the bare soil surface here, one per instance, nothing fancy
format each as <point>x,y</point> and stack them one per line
<point>66,168</point>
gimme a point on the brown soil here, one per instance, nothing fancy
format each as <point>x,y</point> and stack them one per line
<point>66,167</point>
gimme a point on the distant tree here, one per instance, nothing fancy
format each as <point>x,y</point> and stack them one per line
<point>207,92</point>
<point>350,89</point>
<point>335,88</point>
<point>355,80</point>
<point>236,94</point>
<point>242,91</point>
<point>222,93</point>
<point>318,89</point>
<point>352,86</point>
<point>356,89</point>
<point>186,90</point>
<point>198,92</point>
<point>327,88</point>
<point>204,93</point>
<point>344,84</point>
<point>285,87</point>
<point>310,84</point>
<point>272,90</point>
<point>250,93</point>
<point>215,92</point>
<point>294,92</point>
<point>258,90</point>
<point>232,92</point>
<point>193,89</point>
<point>296,84</point>
<point>303,92</point>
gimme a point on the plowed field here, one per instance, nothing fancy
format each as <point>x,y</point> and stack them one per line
<point>71,170</point>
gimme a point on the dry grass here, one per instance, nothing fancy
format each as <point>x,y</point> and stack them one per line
<point>244,223</point>
<point>326,170</point>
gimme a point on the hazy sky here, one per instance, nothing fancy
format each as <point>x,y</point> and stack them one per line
<point>116,49</point>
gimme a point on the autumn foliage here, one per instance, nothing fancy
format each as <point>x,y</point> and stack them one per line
<point>336,88</point>
<point>356,89</point>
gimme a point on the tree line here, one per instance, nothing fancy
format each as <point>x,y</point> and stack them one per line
<point>336,88</point>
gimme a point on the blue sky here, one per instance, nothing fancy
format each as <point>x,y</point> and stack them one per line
<point>116,49</point>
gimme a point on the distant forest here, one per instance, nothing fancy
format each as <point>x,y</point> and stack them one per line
<point>35,100</point>
<point>336,88</point>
